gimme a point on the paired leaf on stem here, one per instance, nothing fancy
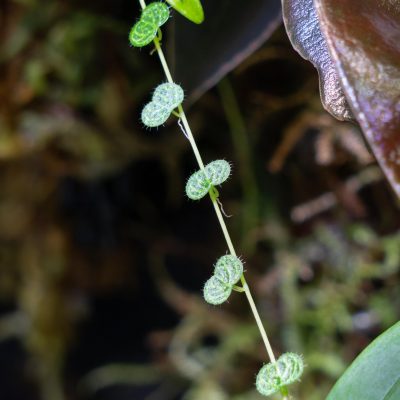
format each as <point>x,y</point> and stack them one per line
<point>166,98</point>
<point>200,183</point>
<point>229,269</point>
<point>145,30</point>
<point>275,376</point>
<point>227,273</point>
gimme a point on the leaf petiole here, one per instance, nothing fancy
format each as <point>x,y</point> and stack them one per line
<point>238,289</point>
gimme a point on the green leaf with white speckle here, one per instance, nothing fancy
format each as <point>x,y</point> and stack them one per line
<point>216,292</point>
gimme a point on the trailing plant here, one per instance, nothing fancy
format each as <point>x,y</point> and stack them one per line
<point>275,376</point>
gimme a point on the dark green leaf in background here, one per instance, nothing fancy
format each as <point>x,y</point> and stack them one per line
<point>375,374</point>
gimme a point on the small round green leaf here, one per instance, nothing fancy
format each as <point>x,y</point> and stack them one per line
<point>229,269</point>
<point>197,186</point>
<point>142,34</point>
<point>216,292</point>
<point>274,376</point>
<point>268,381</point>
<point>156,13</point>
<point>169,95</point>
<point>218,171</point>
<point>154,115</point>
<point>191,9</point>
<point>290,367</point>
<point>151,19</point>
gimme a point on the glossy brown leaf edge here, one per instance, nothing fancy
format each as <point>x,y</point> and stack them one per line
<point>363,37</point>
<point>302,26</point>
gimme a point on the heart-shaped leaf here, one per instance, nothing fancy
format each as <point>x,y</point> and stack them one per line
<point>375,374</point>
<point>302,26</point>
<point>191,9</point>
<point>363,37</point>
<point>232,30</point>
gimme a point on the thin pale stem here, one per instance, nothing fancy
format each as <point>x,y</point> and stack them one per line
<point>163,60</point>
<point>244,283</point>
<point>190,137</point>
<point>214,200</point>
<point>258,320</point>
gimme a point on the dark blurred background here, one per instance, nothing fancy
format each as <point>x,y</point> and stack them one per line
<point>103,259</point>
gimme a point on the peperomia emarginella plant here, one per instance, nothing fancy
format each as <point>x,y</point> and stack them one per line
<point>275,376</point>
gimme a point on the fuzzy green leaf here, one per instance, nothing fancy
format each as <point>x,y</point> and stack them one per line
<point>285,371</point>
<point>218,171</point>
<point>375,374</point>
<point>216,292</point>
<point>268,381</point>
<point>197,186</point>
<point>191,9</point>
<point>154,115</point>
<point>152,18</point>
<point>166,97</point>
<point>229,269</point>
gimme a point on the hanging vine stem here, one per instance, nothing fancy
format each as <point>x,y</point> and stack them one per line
<point>185,127</point>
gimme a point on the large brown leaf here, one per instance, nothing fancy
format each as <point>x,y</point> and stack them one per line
<point>302,27</point>
<point>363,38</point>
